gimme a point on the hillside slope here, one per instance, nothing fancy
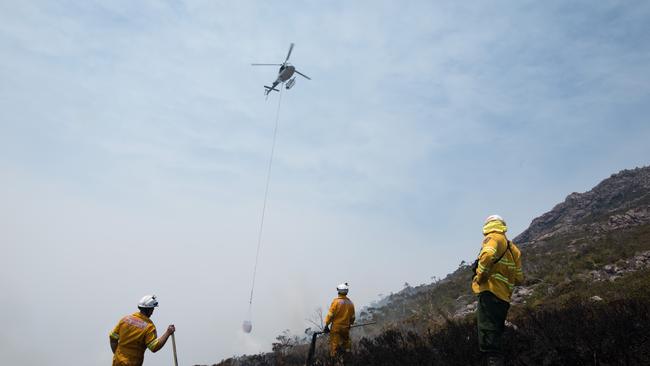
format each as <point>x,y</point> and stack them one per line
<point>585,260</point>
<point>596,236</point>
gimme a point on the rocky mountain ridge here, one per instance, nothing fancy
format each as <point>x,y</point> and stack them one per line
<point>623,197</point>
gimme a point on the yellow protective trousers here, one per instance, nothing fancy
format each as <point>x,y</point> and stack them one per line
<point>340,342</point>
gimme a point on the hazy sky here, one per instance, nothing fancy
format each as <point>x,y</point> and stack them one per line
<point>134,140</point>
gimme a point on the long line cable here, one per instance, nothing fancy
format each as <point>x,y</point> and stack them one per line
<point>266,195</point>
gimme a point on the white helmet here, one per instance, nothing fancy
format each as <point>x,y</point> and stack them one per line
<point>343,288</point>
<point>494,218</point>
<point>148,302</point>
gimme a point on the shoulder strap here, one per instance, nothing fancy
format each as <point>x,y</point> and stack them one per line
<point>504,252</point>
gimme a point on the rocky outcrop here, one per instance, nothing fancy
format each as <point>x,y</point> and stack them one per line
<point>622,200</point>
<point>616,270</point>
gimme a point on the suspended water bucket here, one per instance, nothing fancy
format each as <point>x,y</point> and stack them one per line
<point>247,326</point>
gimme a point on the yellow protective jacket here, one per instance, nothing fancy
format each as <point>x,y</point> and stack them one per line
<point>499,278</point>
<point>134,333</point>
<point>341,314</point>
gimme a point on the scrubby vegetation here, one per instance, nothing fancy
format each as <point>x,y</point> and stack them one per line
<point>583,332</point>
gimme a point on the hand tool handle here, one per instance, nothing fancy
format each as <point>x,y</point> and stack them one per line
<point>174,347</point>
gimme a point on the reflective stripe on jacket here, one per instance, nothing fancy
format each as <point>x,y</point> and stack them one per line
<point>341,314</point>
<point>499,278</point>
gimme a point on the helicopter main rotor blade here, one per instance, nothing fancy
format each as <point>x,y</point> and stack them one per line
<point>303,75</point>
<point>266,64</point>
<point>289,54</point>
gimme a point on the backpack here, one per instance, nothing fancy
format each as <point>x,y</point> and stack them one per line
<point>474,266</point>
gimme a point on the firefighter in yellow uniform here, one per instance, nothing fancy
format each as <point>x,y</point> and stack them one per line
<point>134,333</point>
<point>498,271</point>
<point>341,316</point>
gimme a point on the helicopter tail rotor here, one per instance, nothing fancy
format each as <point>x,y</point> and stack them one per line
<point>268,89</point>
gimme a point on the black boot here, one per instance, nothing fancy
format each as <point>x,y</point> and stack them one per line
<point>494,360</point>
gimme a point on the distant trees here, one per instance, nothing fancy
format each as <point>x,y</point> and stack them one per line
<point>316,320</point>
<point>284,342</point>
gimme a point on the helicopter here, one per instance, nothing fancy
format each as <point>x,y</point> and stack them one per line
<point>284,74</point>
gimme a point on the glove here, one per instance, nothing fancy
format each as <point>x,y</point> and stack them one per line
<point>326,329</point>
